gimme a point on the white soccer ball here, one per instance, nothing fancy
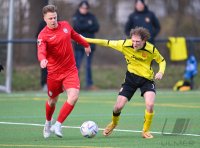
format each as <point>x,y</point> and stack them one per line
<point>89,129</point>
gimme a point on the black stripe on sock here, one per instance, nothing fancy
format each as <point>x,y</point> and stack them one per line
<point>116,114</point>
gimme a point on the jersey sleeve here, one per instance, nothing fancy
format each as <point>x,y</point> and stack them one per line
<point>115,44</point>
<point>41,48</point>
<point>76,37</point>
<point>160,60</point>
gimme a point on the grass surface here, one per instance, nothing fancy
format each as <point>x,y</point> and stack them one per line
<point>170,107</point>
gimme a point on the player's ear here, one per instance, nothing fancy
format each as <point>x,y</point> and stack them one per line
<point>44,17</point>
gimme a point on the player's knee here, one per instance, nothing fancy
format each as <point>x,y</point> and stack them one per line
<point>52,102</point>
<point>72,99</point>
<point>149,107</point>
<point>150,104</point>
<point>118,107</point>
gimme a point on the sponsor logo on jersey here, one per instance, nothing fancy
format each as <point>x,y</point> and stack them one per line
<point>53,37</point>
<point>65,30</point>
<point>137,58</point>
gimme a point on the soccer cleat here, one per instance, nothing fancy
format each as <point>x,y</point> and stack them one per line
<point>46,130</point>
<point>57,130</point>
<point>147,135</point>
<point>109,128</point>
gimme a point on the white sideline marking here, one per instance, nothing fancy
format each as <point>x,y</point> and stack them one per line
<point>118,130</point>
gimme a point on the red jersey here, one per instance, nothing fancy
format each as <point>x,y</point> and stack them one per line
<point>55,46</point>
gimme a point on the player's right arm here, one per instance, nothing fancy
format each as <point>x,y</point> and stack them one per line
<point>115,44</point>
<point>41,46</point>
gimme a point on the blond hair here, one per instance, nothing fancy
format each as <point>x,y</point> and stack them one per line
<point>140,31</point>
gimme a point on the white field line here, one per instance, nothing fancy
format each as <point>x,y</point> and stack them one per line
<point>117,130</point>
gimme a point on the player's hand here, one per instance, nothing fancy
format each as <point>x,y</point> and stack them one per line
<point>159,76</point>
<point>43,63</point>
<point>1,67</point>
<point>87,50</point>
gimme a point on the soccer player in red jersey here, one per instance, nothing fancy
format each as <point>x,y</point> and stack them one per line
<point>55,52</point>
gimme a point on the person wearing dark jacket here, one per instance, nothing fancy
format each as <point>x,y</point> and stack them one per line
<point>143,17</point>
<point>86,24</point>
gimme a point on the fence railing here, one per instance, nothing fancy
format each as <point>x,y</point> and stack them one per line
<point>32,41</point>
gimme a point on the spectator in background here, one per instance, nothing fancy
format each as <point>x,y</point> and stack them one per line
<point>191,70</point>
<point>86,24</point>
<point>143,17</point>
<point>43,80</point>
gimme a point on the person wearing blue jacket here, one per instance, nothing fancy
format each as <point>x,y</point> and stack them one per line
<point>143,17</point>
<point>86,24</point>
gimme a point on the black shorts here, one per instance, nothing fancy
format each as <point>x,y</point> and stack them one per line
<point>132,82</point>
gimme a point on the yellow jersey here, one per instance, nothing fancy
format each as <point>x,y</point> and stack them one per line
<point>139,61</point>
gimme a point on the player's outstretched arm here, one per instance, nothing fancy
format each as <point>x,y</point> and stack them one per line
<point>100,42</point>
<point>114,44</point>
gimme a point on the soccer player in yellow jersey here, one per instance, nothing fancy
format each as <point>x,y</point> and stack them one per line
<point>139,55</point>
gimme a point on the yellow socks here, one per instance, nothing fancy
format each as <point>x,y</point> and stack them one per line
<point>147,121</point>
<point>115,118</point>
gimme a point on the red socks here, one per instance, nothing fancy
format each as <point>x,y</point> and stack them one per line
<point>64,112</point>
<point>49,111</point>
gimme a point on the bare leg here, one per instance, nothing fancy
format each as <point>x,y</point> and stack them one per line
<point>119,105</point>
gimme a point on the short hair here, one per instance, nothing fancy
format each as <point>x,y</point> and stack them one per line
<point>49,8</point>
<point>140,31</point>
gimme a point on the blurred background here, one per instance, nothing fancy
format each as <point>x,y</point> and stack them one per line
<point>177,18</point>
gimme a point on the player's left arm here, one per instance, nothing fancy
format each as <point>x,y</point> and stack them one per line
<point>162,64</point>
<point>77,37</point>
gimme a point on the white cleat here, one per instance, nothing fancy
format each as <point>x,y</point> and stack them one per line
<point>57,130</point>
<point>46,130</point>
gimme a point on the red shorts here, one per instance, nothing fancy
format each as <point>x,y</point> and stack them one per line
<point>58,82</point>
